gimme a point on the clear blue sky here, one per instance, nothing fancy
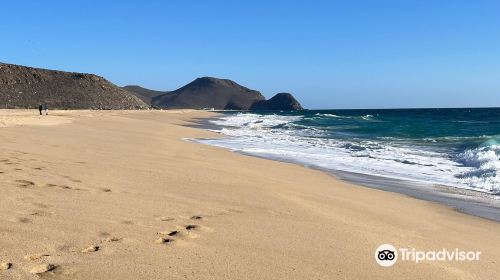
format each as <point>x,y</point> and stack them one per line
<point>330,54</point>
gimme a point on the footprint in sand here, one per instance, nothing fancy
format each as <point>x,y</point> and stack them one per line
<point>39,269</point>
<point>163,240</point>
<point>35,257</point>
<point>173,233</point>
<point>6,161</point>
<point>105,189</point>
<point>24,183</point>
<point>22,220</point>
<point>181,233</point>
<point>165,219</point>
<point>170,232</point>
<point>196,217</point>
<point>72,179</point>
<point>65,187</point>
<point>198,228</point>
<point>108,236</point>
<point>91,249</point>
<point>191,227</point>
<point>40,213</point>
<point>112,239</point>
<point>5,266</point>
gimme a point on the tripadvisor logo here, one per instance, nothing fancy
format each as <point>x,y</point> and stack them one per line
<point>386,255</point>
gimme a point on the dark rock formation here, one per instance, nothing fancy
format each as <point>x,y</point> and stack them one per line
<point>26,87</point>
<point>144,94</point>
<point>209,92</point>
<point>281,101</point>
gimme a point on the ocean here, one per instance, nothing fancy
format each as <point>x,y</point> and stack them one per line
<point>457,148</point>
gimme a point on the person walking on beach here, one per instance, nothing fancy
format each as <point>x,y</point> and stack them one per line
<point>40,108</point>
<point>46,109</point>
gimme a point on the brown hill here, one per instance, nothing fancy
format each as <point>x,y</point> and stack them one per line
<point>281,101</point>
<point>208,92</point>
<point>26,87</point>
<point>144,94</point>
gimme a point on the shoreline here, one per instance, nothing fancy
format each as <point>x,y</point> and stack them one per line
<point>121,195</point>
<point>465,201</point>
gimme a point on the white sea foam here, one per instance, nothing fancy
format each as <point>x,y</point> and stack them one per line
<point>367,117</point>
<point>278,137</point>
<point>330,115</point>
<point>485,167</point>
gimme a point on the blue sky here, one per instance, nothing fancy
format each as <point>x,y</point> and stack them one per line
<point>330,54</point>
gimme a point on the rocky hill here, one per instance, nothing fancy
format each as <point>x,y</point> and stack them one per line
<point>208,92</point>
<point>144,94</point>
<point>26,87</point>
<point>281,101</point>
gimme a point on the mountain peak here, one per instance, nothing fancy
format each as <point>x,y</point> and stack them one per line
<point>210,92</point>
<point>216,82</point>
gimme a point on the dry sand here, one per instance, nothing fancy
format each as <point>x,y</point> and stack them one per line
<point>121,195</point>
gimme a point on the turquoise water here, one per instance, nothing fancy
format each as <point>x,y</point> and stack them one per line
<point>454,147</point>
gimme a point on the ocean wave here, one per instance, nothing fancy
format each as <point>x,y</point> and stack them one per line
<point>485,168</point>
<point>364,117</point>
<point>458,138</point>
<point>286,138</point>
<point>330,115</point>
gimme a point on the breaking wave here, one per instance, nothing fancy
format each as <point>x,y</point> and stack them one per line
<point>309,140</point>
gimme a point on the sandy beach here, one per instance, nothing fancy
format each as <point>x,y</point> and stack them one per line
<point>124,195</point>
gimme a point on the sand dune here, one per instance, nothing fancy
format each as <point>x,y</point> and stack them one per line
<point>121,195</point>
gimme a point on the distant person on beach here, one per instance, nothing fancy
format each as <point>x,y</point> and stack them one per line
<point>45,108</point>
<point>40,108</point>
